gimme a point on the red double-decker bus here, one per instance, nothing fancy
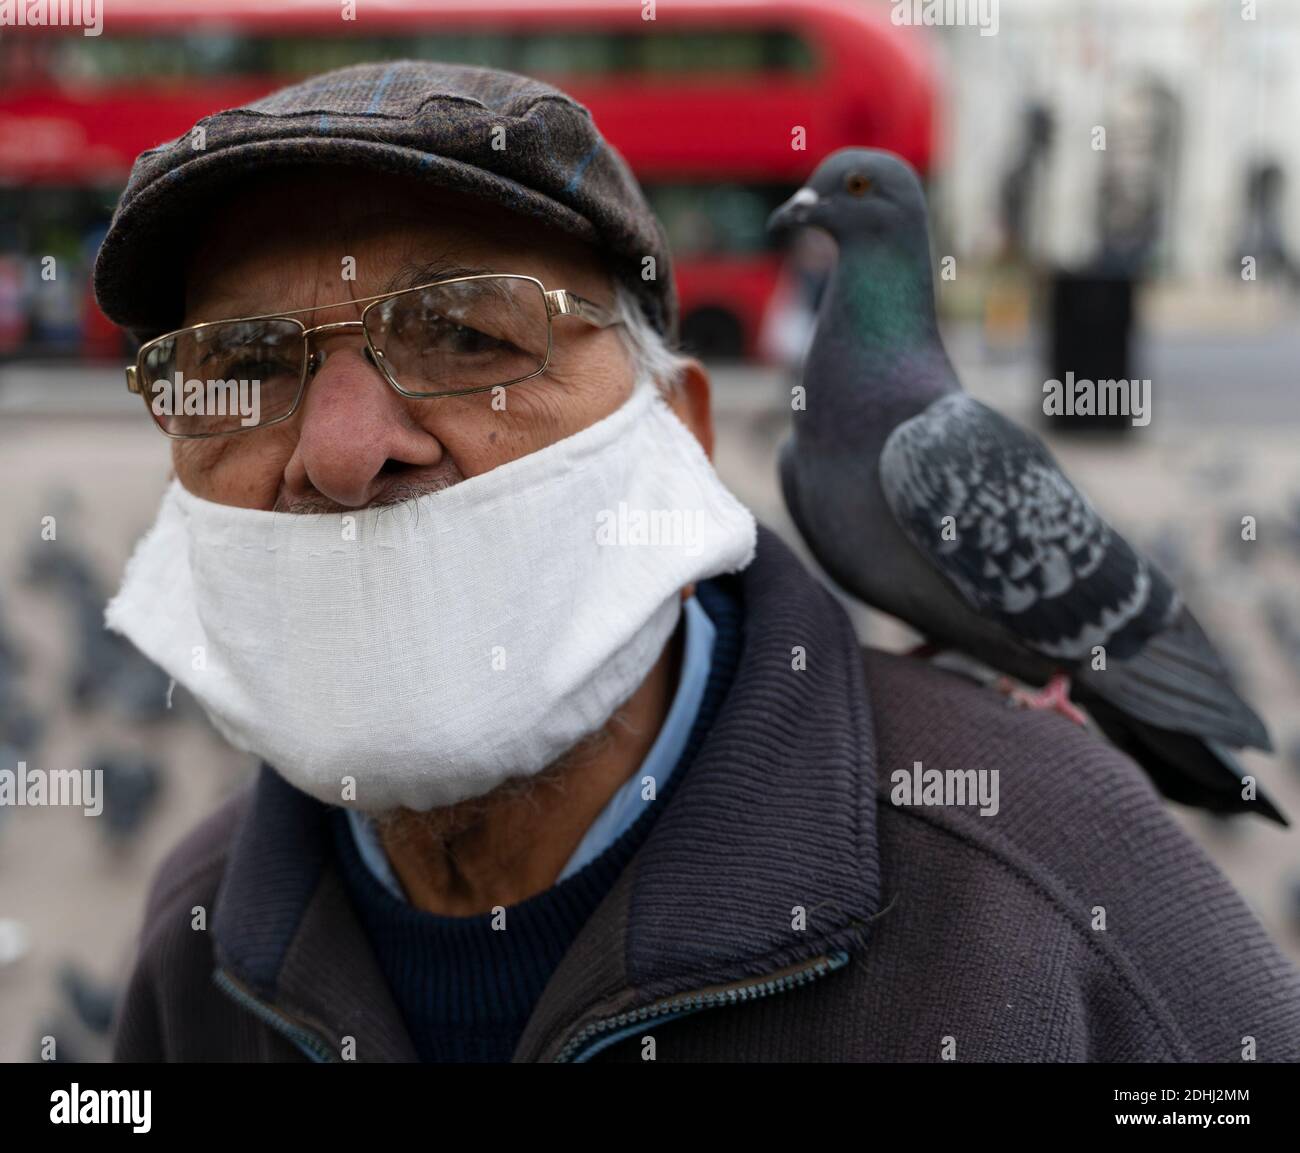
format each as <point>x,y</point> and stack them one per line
<point>704,98</point>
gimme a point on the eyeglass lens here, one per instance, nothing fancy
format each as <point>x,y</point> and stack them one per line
<point>468,334</point>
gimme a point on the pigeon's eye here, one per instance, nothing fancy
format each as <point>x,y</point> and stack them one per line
<point>856,184</point>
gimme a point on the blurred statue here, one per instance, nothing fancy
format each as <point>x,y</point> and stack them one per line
<point>1019,192</point>
<point>1139,169</point>
<point>1261,230</point>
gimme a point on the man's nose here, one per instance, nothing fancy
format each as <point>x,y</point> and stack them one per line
<point>353,429</point>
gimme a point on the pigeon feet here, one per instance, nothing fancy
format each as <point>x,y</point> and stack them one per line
<point>1053,697</point>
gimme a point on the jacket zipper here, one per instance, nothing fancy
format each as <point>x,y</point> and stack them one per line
<point>670,1008</point>
<point>587,1042</point>
<point>310,1042</point>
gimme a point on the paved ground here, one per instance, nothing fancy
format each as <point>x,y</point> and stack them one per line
<point>1179,487</point>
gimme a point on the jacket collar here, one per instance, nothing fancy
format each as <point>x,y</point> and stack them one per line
<point>776,814</point>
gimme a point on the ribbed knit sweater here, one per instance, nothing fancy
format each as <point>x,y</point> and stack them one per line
<point>465,989</point>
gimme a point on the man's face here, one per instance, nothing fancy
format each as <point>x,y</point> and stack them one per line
<point>354,441</point>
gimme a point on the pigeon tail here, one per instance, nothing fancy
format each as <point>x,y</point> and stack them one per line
<point>1179,683</point>
<point>1185,768</point>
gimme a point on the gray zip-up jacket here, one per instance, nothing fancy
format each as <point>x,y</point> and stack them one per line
<point>784,906</point>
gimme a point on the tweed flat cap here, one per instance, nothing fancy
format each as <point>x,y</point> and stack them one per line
<point>426,118</point>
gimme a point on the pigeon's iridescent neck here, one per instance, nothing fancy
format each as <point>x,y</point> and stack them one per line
<point>877,357</point>
<point>885,298</point>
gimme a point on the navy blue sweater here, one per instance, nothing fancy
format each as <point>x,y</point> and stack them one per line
<point>465,990</point>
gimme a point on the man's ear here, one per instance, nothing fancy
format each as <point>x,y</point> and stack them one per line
<point>691,402</point>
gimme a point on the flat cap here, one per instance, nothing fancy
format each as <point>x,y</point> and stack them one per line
<point>408,116</point>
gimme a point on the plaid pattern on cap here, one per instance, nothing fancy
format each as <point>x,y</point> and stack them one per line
<point>425,118</point>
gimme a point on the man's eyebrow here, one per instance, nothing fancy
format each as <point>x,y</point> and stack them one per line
<point>426,272</point>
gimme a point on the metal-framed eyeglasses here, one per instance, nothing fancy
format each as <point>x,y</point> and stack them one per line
<point>450,337</point>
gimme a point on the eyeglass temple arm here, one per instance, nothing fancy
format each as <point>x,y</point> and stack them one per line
<point>562,302</point>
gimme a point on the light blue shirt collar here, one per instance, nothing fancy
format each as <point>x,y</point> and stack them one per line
<point>629,802</point>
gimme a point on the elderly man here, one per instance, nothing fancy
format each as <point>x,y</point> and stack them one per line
<point>563,757</point>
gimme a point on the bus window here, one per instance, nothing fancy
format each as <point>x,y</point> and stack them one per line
<point>573,54</point>
<point>218,54</point>
<point>726,52</point>
<point>484,49</point>
<point>712,219</point>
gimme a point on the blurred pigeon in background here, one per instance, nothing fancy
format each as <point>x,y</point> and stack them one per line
<point>20,728</point>
<point>934,508</point>
<point>92,1001</point>
<point>132,786</point>
<point>107,669</point>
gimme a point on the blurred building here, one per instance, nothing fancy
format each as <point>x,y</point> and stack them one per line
<point>1195,100</point>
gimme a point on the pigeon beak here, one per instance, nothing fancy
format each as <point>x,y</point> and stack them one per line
<point>794,211</point>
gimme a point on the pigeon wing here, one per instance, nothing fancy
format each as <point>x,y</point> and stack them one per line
<point>990,508</point>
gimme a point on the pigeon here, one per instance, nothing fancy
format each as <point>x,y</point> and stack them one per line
<point>926,504</point>
<point>92,1001</point>
<point>130,792</point>
<point>107,669</point>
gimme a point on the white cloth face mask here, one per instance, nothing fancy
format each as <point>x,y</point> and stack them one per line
<point>430,650</point>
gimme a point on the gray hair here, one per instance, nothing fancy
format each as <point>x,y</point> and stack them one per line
<point>646,346</point>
